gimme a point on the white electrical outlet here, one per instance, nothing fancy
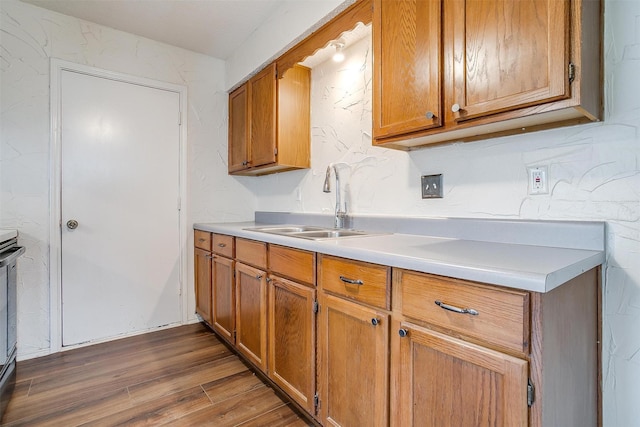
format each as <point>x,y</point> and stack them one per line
<point>538,180</point>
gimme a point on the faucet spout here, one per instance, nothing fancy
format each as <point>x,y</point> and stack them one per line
<point>340,217</point>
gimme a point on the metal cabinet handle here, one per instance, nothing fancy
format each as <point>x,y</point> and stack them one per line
<point>375,322</point>
<point>259,276</point>
<point>430,115</point>
<point>201,239</point>
<point>268,279</point>
<point>455,309</point>
<point>222,245</point>
<point>403,333</point>
<point>456,108</point>
<point>352,281</point>
<point>72,224</point>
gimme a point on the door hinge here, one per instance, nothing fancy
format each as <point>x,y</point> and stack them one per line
<point>179,203</point>
<point>572,72</point>
<point>179,118</point>
<point>316,402</point>
<point>531,393</point>
<point>316,307</point>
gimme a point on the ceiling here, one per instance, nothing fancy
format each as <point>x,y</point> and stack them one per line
<point>211,27</point>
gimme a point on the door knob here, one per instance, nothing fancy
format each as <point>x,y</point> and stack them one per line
<point>72,224</point>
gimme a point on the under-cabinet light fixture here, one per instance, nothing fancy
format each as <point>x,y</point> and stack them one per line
<point>339,55</point>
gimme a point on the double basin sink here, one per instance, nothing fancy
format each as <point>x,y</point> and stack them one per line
<point>309,232</point>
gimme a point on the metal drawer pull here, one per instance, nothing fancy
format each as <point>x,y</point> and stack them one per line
<point>470,311</point>
<point>259,276</point>
<point>375,322</point>
<point>351,281</point>
<point>403,333</point>
<point>201,239</point>
<point>222,245</point>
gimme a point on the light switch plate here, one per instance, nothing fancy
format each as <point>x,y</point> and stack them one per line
<point>432,186</point>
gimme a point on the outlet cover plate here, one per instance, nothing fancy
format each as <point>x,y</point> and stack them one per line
<point>432,186</point>
<point>538,180</point>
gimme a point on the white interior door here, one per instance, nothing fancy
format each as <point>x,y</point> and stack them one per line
<point>120,267</point>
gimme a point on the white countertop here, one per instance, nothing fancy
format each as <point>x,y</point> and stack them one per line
<point>527,267</point>
<point>6,234</point>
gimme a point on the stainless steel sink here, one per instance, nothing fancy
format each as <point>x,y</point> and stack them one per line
<point>309,232</point>
<point>329,234</point>
<point>285,229</point>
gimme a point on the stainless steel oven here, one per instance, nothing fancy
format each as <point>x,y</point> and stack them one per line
<point>9,253</point>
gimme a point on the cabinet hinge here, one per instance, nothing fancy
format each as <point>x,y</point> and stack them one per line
<point>572,72</point>
<point>316,402</point>
<point>275,151</point>
<point>234,336</point>
<point>531,393</point>
<point>316,307</point>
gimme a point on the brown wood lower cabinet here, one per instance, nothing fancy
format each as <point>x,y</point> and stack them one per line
<point>292,339</point>
<point>223,291</point>
<point>202,271</point>
<point>353,343</point>
<point>438,380</point>
<point>251,314</point>
<point>387,346</point>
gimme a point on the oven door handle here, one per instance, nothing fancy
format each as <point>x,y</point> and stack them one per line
<point>11,255</point>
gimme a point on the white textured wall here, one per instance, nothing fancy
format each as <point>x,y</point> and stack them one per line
<point>29,37</point>
<point>594,175</point>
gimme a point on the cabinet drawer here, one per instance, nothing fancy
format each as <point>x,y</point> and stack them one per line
<point>361,281</point>
<point>202,239</point>
<point>502,315</point>
<point>223,245</point>
<point>251,252</point>
<point>293,263</point>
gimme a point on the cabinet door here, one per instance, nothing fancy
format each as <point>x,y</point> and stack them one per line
<point>202,268</point>
<point>292,339</point>
<point>506,54</point>
<point>353,366</point>
<point>251,314</point>
<point>223,297</point>
<point>239,129</point>
<point>262,101</point>
<point>407,41</point>
<point>438,380</point>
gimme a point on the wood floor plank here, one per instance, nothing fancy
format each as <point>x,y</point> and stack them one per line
<point>183,376</point>
<point>64,411</point>
<point>164,385</point>
<point>168,409</point>
<point>282,416</point>
<point>226,388</point>
<point>123,373</point>
<point>34,368</point>
<point>236,410</point>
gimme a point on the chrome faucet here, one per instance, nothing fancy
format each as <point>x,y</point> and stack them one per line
<point>340,218</point>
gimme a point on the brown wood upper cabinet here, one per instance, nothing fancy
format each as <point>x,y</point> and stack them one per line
<point>269,123</point>
<point>462,70</point>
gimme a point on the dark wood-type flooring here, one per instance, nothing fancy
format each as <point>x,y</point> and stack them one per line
<point>182,376</point>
